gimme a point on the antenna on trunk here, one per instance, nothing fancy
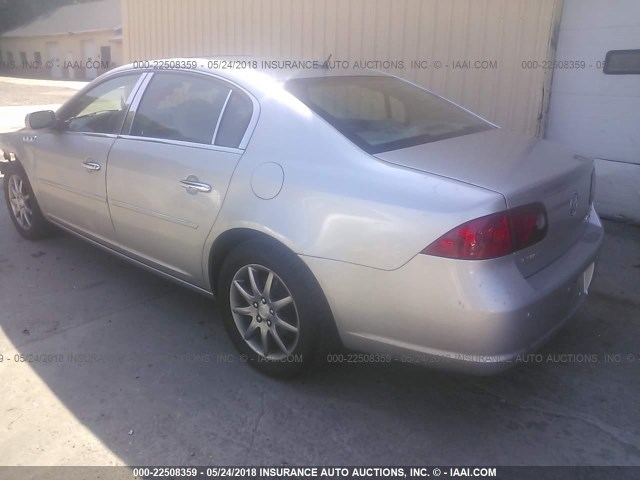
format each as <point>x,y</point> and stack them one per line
<point>325,65</point>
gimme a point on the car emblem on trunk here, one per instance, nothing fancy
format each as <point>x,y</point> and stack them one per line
<point>573,204</point>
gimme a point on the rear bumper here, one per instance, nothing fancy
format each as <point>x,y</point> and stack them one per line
<point>475,316</point>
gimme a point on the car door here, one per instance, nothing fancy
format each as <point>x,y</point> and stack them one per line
<point>168,176</point>
<point>71,157</point>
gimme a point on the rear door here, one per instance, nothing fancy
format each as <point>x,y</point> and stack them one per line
<point>169,174</point>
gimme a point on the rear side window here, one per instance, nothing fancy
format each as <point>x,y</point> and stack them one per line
<point>180,107</point>
<point>235,120</point>
<point>380,113</point>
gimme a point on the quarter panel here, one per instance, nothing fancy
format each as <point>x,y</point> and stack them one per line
<point>451,307</point>
<point>338,202</point>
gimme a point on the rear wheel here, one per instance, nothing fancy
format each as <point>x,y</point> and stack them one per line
<point>274,311</point>
<point>23,207</point>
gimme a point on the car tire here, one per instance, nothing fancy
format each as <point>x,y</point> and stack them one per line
<point>258,315</point>
<point>23,207</point>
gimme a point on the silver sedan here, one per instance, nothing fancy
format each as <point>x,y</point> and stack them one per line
<point>321,208</point>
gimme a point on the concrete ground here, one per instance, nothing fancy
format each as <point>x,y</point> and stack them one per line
<point>105,364</point>
<point>19,96</point>
<point>121,367</point>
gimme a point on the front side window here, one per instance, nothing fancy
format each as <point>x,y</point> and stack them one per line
<point>380,113</point>
<point>101,109</point>
<point>181,107</point>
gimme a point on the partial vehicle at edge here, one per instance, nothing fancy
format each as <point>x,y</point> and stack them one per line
<point>320,208</point>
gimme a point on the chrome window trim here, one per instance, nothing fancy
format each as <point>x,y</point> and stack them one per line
<point>131,99</point>
<point>136,87</point>
<point>203,146</point>
<point>133,108</point>
<point>250,126</point>
<point>224,107</point>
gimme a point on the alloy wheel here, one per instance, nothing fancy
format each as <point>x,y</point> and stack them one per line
<point>264,312</point>
<point>20,201</point>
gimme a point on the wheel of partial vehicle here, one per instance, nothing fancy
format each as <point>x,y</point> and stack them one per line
<point>23,206</point>
<point>274,310</point>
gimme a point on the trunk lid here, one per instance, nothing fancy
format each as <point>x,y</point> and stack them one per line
<point>523,170</point>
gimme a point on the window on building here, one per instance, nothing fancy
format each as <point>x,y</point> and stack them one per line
<point>181,107</point>
<point>105,57</point>
<point>23,59</point>
<point>10,60</point>
<point>622,62</point>
<point>38,58</point>
<point>1,59</point>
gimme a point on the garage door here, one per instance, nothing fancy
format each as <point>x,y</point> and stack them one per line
<point>595,101</point>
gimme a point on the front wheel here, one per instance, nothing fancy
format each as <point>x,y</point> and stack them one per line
<point>274,310</point>
<point>23,207</point>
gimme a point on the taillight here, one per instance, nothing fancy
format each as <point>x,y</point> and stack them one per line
<point>493,236</point>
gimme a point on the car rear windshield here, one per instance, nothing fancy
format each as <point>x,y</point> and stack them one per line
<point>380,114</point>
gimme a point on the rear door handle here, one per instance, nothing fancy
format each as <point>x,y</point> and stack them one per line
<point>194,186</point>
<point>91,166</point>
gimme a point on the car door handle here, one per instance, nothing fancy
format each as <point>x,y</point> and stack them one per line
<point>193,186</point>
<point>91,166</point>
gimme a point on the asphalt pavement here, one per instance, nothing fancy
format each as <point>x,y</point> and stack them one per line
<point>106,364</point>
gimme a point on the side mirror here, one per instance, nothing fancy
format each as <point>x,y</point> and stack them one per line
<point>38,120</point>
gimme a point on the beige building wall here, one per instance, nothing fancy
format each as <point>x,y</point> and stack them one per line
<point>441,34</point>
<point>70,48</point>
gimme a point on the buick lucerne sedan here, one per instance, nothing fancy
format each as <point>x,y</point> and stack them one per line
<point>321,208</point>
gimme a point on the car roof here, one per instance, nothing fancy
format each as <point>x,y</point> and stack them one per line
<point>252,73</point>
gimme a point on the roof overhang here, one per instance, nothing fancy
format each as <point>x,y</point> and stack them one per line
<point>69,34</point>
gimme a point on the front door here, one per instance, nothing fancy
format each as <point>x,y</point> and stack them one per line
<point>71,159</point>
<point>167,179</point>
